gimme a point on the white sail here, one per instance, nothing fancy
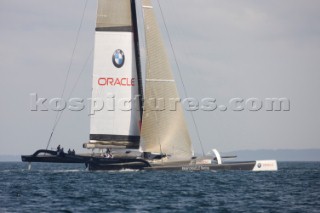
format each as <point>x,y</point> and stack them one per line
<point>115,79</point>
<point>163,130</point>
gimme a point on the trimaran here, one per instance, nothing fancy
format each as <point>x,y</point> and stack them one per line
<point>143,137</point>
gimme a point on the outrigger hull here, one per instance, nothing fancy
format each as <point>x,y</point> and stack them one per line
<point>91,162</point>
<point>249,166</point>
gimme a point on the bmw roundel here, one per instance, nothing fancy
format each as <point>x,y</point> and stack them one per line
<point>118,58</point>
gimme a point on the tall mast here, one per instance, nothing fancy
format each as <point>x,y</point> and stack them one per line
<point>137,51</point>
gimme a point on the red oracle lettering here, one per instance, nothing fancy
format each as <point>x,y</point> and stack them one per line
<point>132,82</point>
<point>123,81</point>
<point>102,81</point>
<point>110,81</point>
<point>116,82</point>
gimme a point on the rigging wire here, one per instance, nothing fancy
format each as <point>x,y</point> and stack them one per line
<point>76,83</point>
<point>72,90</point>
<point>59,113</point>
<point>180,75</point>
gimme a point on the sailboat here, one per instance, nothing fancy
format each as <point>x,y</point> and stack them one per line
<point>148,131</point>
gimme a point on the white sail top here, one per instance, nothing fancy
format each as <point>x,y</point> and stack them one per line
<point>163,130</point>
<point>114,14</point>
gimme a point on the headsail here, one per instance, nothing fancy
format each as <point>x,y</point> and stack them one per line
<point>163,130</point>
<point>115,78</point>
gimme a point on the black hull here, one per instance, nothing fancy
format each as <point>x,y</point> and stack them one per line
<point>48,156</point>
<point>92,163</point>
<point>117,165</point>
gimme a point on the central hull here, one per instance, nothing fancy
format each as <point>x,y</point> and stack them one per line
<point>243,166</point>
<point>117,164</point>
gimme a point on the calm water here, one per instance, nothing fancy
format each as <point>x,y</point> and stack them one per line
<point>69,188</point>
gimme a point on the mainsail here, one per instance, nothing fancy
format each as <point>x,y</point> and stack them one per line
<point>115,115</point>
<point>164,129</point>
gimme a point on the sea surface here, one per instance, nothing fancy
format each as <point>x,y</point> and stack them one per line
<point>70,188</point>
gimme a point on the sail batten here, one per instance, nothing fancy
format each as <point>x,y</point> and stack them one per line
<point>164,130</point>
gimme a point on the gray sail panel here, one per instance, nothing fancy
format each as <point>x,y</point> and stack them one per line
<point>163,131</point>
<point>114,15</point>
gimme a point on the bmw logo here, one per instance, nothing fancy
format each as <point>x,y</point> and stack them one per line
<point>259,165</point>
<point>118,58</point>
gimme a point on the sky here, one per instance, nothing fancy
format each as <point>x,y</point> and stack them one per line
<point>225,50</point>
